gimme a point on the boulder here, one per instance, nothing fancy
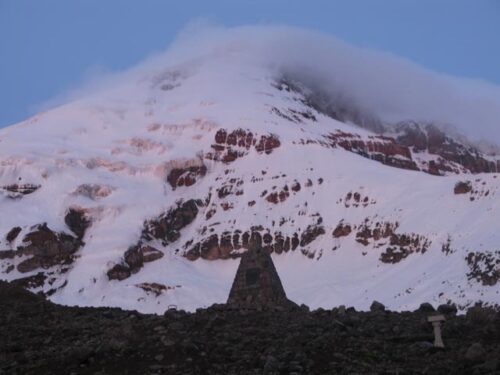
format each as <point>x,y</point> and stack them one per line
<point>447,309</point>
<point>426,307</point>
<point>150,254</point>
<point>119,272</point>
<point>377,307</point>
<point>462,187</point>
<point>475,353</point>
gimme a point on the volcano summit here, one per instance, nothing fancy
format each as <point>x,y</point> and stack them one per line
<point>145,191</point>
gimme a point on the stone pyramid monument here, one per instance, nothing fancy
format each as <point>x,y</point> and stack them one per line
<point>257,284</point>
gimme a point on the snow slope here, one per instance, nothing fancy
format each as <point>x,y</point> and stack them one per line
<point>110,156</point>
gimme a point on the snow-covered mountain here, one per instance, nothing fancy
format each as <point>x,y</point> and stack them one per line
<point>144,193</point>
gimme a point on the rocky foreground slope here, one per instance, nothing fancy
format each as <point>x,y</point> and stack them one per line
<point>39,337</point>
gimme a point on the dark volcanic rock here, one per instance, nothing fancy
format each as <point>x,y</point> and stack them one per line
<point>310,234</point>
<point>7,254</point>
<point>230,146</point>
<point>429,137</point>
<point>134,259</point>
<point>475,353</point>
<point>342,230</point>
<point>13,233</point>
<point>41,338</point>
<point>484,267</point>
<point>77,220</point>
<point>462,187</point>
<point>447,309</point>
<point>119,272</point>
<point>167,226</point>
<point>23,189</point>
<point>47,248</point>
<point>377,306</point>
<point>186,176</point>
<point>150,254</point>
<point>426,307</point>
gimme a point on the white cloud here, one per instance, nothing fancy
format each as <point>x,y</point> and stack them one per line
<point>382,84</point>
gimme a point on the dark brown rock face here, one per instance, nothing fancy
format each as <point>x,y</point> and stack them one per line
<point>222,246</point>
<point>342,230</point>
<point>168,225</point>
<point>186,176</point>
<point>13,233</point>
<point>166,228</point>
<point>134,259</point>
<point>462,187</point>
<point>150,254</point>
<point>310,234</point>
<point>429,137</point>
<point>257,284</point>
<point>484,267</point>
<point>380,148</point>
<point>77,221</point>
<point>230,146</point>
<point>23,189</point>
<point>47,248</point>
<point>119,272</point>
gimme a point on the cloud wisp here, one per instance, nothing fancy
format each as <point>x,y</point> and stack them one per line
<point>386,86</point>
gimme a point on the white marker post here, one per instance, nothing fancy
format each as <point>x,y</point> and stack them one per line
<point>436,321</point>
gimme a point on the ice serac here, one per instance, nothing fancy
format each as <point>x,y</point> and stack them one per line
<point>148,193</point>
<point>257,284</point>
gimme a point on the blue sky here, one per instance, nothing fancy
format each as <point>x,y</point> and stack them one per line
<point>50,46</point>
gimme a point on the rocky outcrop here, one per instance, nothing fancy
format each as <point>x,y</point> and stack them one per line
<point>7,254</point>
<point>278,197</point>
<point>229,146</point>
<point>380,148</point>
<point>154,288</point>
<point>119,272</point>
<point>462,187</point>
<point>369,232</point>
<point>31,282</point>
<point>13,233</point>
<point>133,260</point>
<point>429,138</point>
<point>43,248</point>
<point>397,246</point>
<point>228,244</point>
<point>342,230</point>
<point>17,190</point>
<point>414,146</point>
<point>402,245</point>
<point>150,254</point>
<point>310,234</point>
<point>484,267</point>
<point>78,221</point>
<point>46,248</point>
<point>167,226</point>
<point>212,248</point>
<point>356,199</point>
<point>186,176</point>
